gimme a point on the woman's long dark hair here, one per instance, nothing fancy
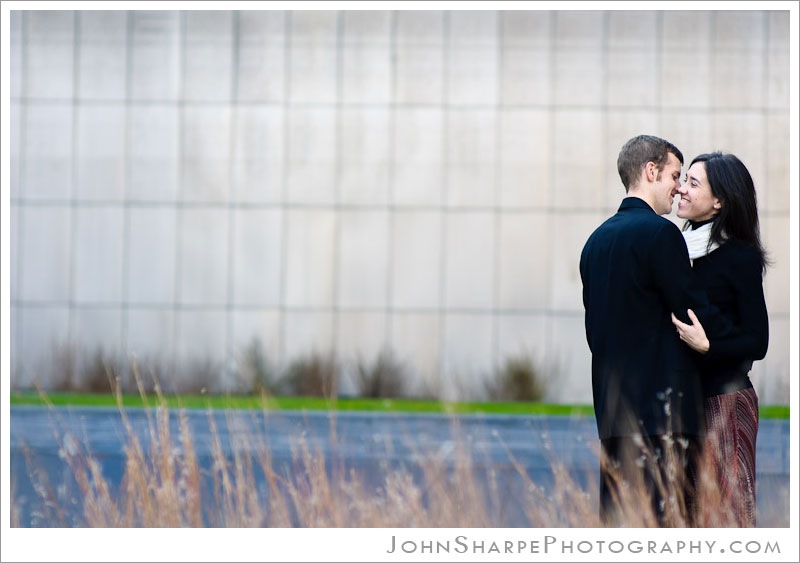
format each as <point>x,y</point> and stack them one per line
<point>732,184</point>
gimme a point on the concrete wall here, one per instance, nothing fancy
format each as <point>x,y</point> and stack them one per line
<point>423,181</point>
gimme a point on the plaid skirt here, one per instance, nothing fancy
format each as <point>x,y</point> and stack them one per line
<point>730,457</point>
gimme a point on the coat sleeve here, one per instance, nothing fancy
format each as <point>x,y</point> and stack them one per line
<point>750,340</point>
<point>584,272</point>
<point>673,275</point>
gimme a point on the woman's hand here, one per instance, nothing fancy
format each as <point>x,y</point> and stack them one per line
<point>693,334</point>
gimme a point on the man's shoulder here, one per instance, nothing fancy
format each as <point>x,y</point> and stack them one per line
<point>637,218</point>
<point>647,231</point>
<point>635,210</point>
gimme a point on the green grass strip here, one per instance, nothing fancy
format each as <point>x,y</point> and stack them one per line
<point>773,411</point>
<point>318,403</point>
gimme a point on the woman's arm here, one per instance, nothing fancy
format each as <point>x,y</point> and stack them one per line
<point>751,340</point>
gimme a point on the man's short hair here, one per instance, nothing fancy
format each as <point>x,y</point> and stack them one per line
<point>639,151</point>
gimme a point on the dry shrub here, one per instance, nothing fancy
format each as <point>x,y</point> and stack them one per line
<point>255,372</point>
<point>384,378</point>
<point>518,379</point>
<point>314,376</point>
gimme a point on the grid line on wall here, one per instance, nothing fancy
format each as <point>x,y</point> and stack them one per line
<point>765,147</point>
<point>604,166</point>
<point>461,107</point>
<point>497,215</point>
<point>390,206</point>
<point>126,164</point>
<point>177,320</point>
<point>284,246</point>
<point>549,321</point>
<point>337,187</point>
<point>443,232</point>
<point>73,223</point>
<point>233,103</point>
<point>16,321</point>
<point>195,205</point>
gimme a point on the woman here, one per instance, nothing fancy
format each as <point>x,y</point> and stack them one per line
<point>718,200</point>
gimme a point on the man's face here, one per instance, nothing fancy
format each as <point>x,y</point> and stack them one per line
<point>667,184</point>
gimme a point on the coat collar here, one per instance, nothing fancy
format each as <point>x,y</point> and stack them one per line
<point>633,202</point>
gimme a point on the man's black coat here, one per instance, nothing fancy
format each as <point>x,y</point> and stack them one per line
<point>635,271</point>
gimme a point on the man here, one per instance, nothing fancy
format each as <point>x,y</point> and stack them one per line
<point>636,272</point>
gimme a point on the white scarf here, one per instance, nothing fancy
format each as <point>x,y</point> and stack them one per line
<point>697,241</point>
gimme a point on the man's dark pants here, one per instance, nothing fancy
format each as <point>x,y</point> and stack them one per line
<point>644,462</point>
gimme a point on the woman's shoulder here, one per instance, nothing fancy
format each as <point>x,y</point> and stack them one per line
<point>740,253</point>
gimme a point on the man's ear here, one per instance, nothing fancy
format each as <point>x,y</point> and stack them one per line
<point>652,171</point>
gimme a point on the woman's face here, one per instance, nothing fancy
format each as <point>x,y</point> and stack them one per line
<point>697,202</point>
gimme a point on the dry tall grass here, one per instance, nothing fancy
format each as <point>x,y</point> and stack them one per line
<point>165,484</point>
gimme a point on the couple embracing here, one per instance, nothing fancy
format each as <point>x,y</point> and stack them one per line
<point>674,320</point>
